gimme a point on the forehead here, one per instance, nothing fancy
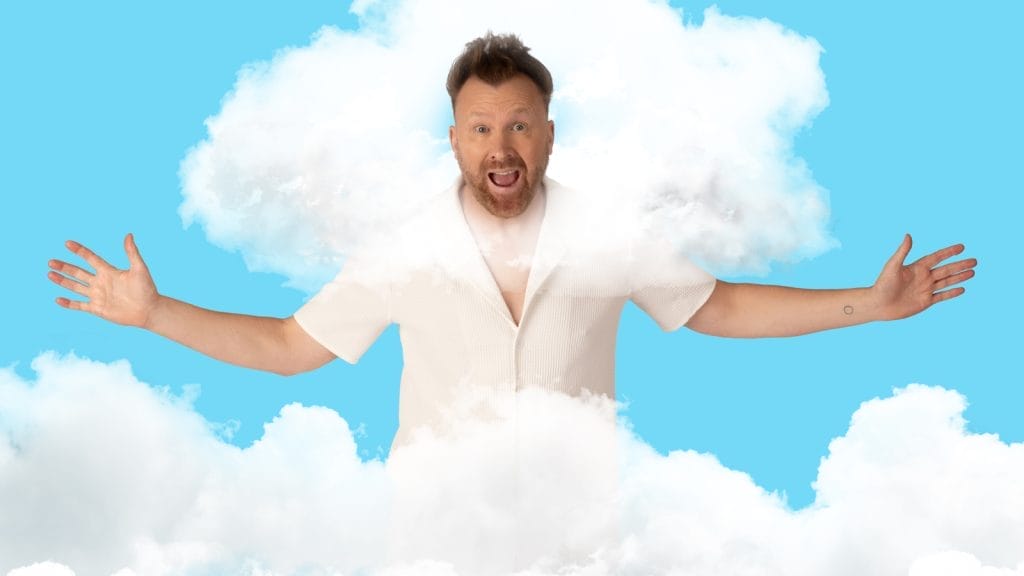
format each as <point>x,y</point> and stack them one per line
<point>517,94</point>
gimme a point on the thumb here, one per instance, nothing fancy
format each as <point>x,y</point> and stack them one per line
<point>900,256</point>
<point>134,258</point>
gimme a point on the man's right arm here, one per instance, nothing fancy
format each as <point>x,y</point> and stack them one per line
<point>129,297</point>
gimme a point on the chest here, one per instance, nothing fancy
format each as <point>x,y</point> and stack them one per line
<point>511,273</point>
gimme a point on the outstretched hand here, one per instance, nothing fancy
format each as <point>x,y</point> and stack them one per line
<point>121,296</point>
<point>903,290</point>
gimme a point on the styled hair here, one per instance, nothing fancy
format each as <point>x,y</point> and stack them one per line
<point>495,59</point>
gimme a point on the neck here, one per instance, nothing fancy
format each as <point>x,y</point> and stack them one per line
<point>509,236</point>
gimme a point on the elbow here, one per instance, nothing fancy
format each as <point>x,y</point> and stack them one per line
<point>296,352</point>
<point>291,369</point>
<point>294,366</point>
<point>287,371</point>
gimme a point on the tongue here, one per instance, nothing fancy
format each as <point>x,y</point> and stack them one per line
<point>505,179</point>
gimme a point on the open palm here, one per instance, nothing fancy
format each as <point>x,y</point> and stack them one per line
<point>904,290</point>
<point>120,296</point>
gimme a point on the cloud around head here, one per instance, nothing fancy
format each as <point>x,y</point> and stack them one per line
<point>680,128</point>
<point>102,474</point>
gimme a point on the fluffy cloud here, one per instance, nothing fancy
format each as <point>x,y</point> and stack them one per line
<point>103,474</point>
<point>680,128</point>
<point>42,569</point>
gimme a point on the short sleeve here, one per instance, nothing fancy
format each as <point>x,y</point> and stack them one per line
<point>667,286</point>
<point>348,314</point>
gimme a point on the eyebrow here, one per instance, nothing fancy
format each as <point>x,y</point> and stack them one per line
<point>474,114</point>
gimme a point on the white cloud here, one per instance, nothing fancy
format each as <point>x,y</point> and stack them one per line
<point>42,569</point>
<point>102,474</point>
<point>959,564</point>
<point>690,127</point>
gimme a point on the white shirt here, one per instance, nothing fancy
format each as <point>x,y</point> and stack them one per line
<point>458,337</point>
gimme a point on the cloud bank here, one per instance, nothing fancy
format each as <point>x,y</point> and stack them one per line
<point>680,128</point>
<point>103,474</point>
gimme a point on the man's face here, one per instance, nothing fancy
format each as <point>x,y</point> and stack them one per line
<point>502,139</point>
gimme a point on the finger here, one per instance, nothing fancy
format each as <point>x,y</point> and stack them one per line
<point>71,270</point>
<point>71,304</point>
<point>901,252</point>
<point>934,258</point>
<point>65,282</point>
<point>947,294</point>
<point>134,257</point>
<point>953,268</point>
<point>953,279</point>
<point>88,255</point>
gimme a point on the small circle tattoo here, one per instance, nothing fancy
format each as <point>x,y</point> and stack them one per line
<point>848,310</point>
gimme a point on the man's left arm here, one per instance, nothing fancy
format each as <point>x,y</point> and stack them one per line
<point>901,290</point>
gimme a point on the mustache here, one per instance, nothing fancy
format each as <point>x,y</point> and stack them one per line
<point>506,165</point>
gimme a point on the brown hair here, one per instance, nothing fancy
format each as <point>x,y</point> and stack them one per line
<point>495,59</point>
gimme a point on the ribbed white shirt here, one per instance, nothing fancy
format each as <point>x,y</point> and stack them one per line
<point>459,339</point>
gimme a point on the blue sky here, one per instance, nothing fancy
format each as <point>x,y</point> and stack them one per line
<point>922,135</point>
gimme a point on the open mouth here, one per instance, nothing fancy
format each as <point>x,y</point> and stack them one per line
<point>504,178</point>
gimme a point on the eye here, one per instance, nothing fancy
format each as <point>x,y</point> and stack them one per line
<point>519,127</point>
<point>480,129</point>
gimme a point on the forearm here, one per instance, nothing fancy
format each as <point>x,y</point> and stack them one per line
<point>256,342</point>
<point>758,311</point>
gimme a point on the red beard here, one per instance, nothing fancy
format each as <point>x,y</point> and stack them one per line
<point>505,190</point>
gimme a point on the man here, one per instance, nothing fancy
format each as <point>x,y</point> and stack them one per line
<point>497,296</point>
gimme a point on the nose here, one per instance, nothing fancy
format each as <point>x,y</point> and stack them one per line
<point>501,149</point>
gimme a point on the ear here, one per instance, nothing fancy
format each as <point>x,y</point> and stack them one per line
<point>453,140</point>
<point>551,136</point>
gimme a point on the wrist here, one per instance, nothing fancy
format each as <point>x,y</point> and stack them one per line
<point>154,312</point>
<point>874,305</point>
